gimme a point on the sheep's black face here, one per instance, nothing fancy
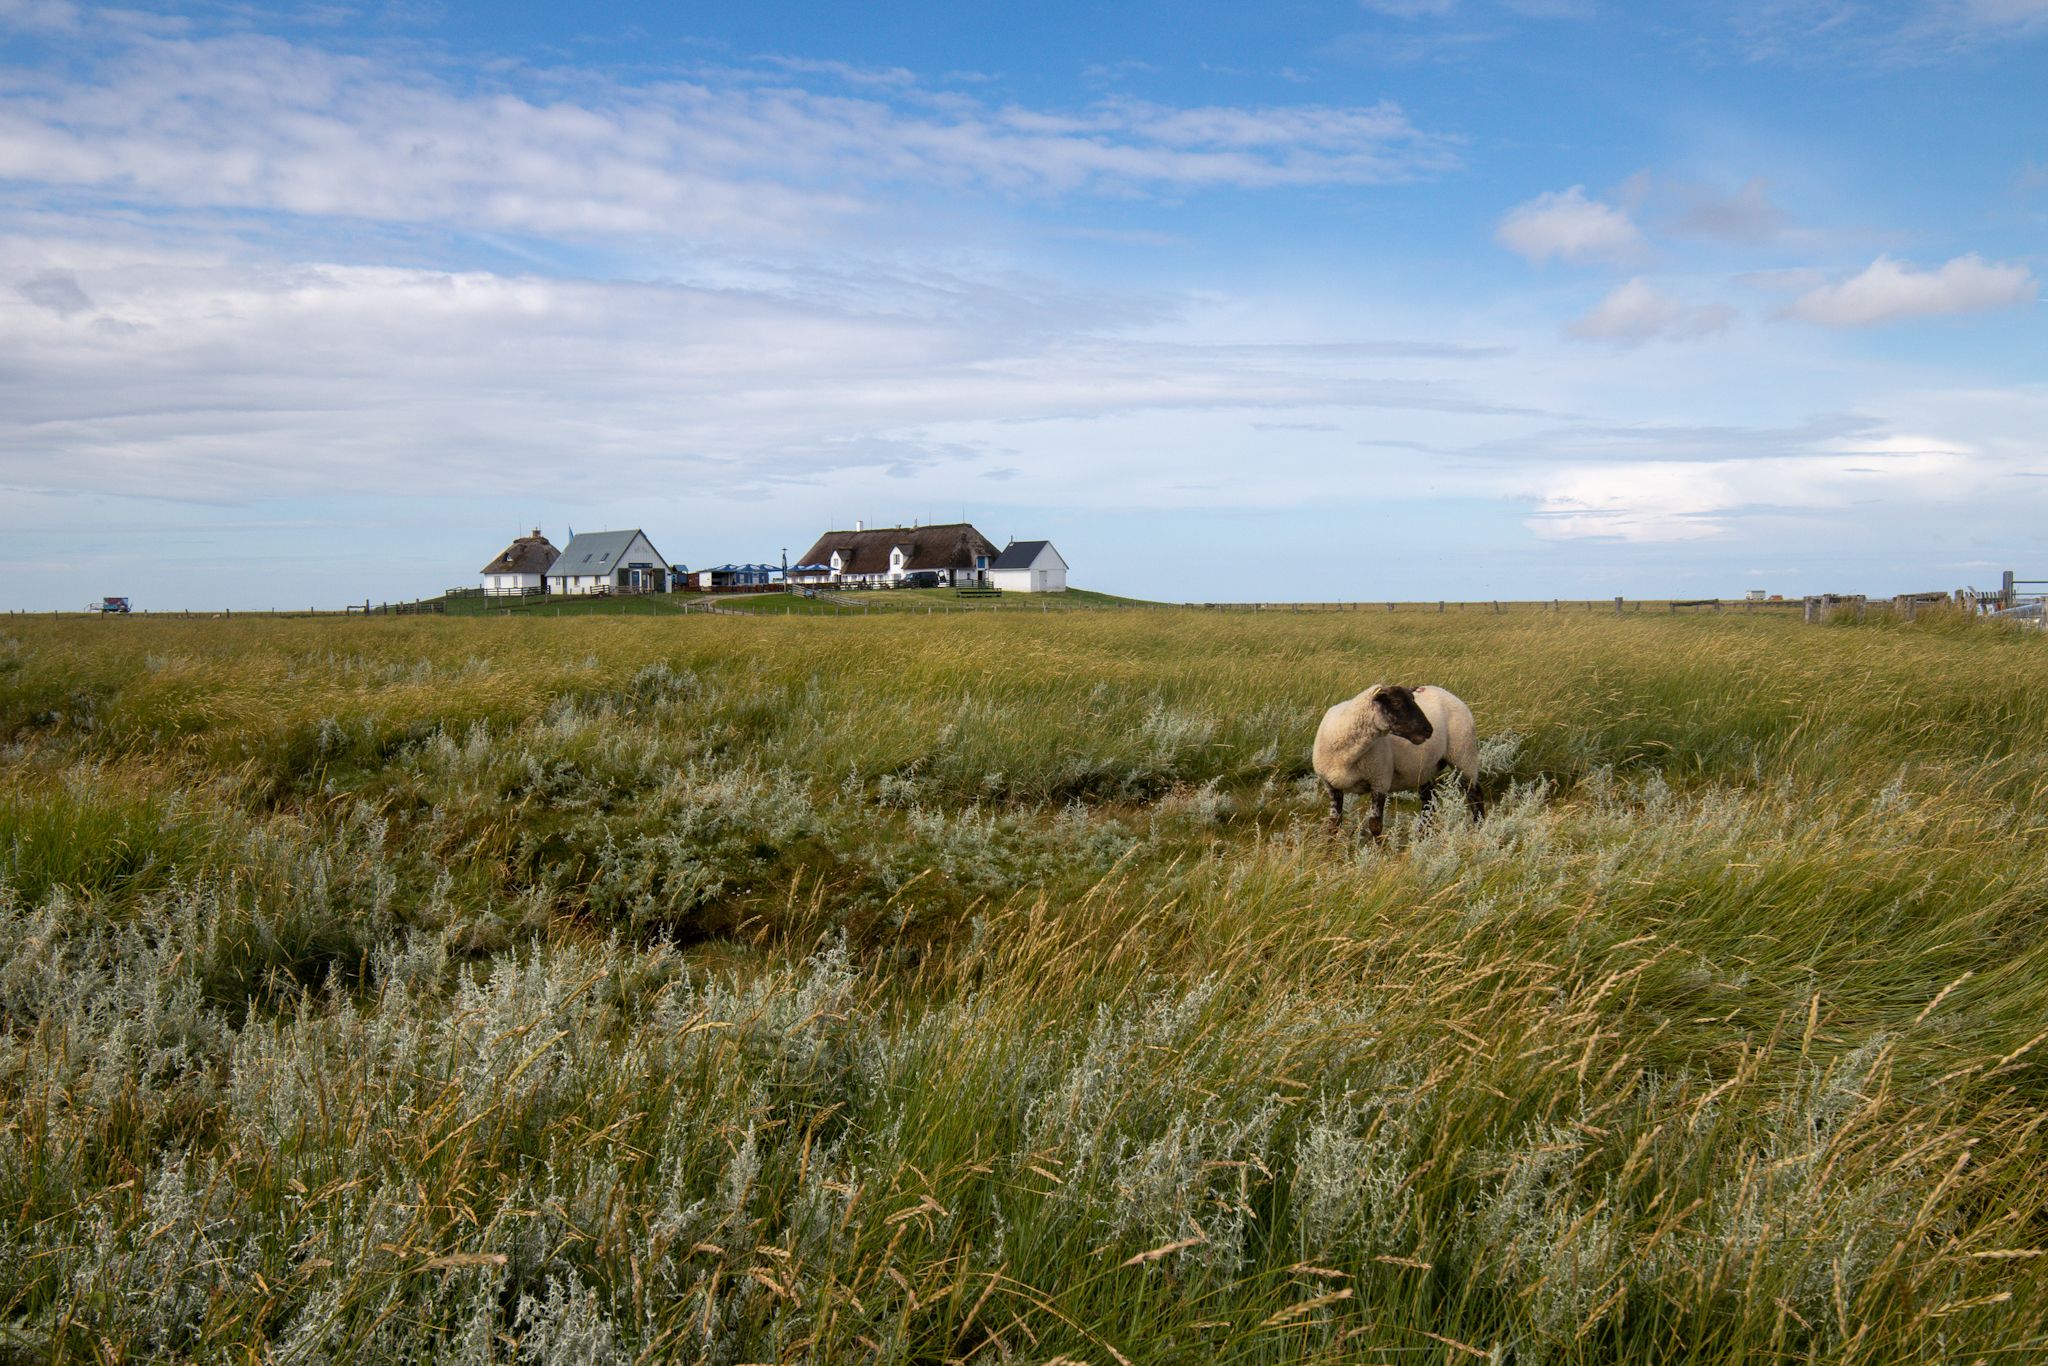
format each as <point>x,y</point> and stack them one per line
<point>1397,707</point>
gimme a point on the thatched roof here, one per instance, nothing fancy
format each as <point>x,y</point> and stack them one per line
<point>948,545</point>
<point>527,555</point>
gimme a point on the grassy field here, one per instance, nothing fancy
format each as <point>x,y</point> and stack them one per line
<point>982,987</point>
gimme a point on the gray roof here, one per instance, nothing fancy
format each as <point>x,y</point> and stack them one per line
<point>1019,554</point>
<point>593,552</point>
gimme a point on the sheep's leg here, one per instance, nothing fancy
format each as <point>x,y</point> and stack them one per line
<point>1378,820</point>
<point>1473,800</point>
<point>1336,808</point>
<point>1428,794</point>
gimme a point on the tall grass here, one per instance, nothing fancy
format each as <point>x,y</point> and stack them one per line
<point>983,989</point>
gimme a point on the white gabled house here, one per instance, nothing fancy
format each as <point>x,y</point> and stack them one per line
<point>1029,567</point>
<point>522,569</point>
<point>600,562</point>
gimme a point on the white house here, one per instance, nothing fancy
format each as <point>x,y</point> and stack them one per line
<point>609,562</point>
<point>1029,567</point>
<point>522,569</point>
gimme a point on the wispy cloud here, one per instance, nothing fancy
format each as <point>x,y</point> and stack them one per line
<point>1910,34</point>
<point>250,122</point>
<point>1582,444</point>
<point>872,77</point>
<point>1889,290</point>
<point>1638,312</point>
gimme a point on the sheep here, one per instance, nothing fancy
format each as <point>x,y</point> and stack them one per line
<point>1391,739</point>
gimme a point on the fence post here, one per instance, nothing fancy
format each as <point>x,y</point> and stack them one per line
<point>1439,606</point>
<point>1617,607</point>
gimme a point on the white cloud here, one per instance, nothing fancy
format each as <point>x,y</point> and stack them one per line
<point>1638,311</point>
<point>1889,290</point>
<point>1699,500</point>
<point>1569,225</point>
<point>1632,503</point>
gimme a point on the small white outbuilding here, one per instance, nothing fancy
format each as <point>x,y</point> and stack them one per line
<point>1029,567</point>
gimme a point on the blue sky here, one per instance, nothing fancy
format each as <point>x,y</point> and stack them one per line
<point>1386,298</point>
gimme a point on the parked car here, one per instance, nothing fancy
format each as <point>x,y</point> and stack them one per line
<point>119,605</point>
<point>921,578</point>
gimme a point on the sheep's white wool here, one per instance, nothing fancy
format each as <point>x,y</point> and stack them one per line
<point>1354,754</point>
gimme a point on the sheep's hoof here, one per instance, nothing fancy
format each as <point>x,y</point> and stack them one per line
<point>1376,829</point>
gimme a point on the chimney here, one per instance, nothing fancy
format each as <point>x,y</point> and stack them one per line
<point>859,525</point>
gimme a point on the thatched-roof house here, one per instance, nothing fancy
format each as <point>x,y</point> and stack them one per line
<point>954,551</point>
<point>522,568</point>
